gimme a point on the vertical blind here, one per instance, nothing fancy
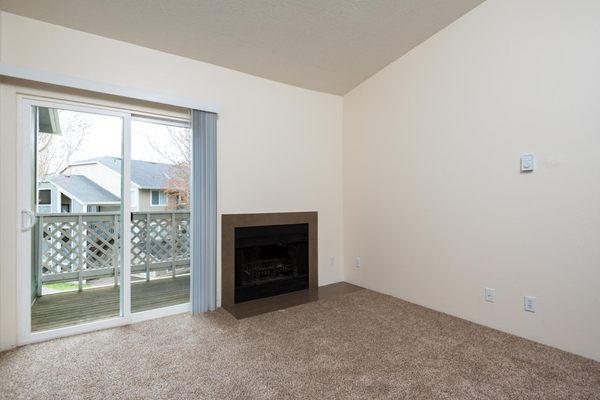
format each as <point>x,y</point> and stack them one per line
<point>204,211</point>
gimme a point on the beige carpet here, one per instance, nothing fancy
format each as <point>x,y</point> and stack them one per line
<point>361,345</point>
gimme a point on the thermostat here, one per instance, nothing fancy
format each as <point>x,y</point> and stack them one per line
<point>527,162</point>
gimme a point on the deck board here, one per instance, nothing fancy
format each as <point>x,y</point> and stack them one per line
<point>71,308</point>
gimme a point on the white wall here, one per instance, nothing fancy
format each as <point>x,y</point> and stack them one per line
<point>433,199</point>
<point>279,146</point>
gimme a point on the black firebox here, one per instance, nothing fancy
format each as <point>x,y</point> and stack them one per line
<point>270,260</point>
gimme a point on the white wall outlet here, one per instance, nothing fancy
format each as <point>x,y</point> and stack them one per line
<point>489,294</point>
<point>332,261</point>
<point>530,303</point>
<point>357,262</point>
<point>527,163</point>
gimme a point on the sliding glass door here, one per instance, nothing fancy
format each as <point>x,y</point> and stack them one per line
<point>160,216</point>
<point>106,216</point>
<point>77,210</point>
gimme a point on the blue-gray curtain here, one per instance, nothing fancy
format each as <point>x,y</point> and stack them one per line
<point>204,211</point>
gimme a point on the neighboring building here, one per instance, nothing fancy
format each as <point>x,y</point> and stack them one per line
<point>95,186</point>
<point>75,193</point>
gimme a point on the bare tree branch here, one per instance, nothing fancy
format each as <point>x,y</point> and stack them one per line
<point>180,139</point>
<point>178,153</point>
<point>55,151</point>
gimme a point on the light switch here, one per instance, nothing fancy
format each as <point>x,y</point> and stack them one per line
<point>490,294</point>
<point>527,162</point>
<point>530,303</point>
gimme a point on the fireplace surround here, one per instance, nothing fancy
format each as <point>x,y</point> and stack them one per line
<point>266,255</point>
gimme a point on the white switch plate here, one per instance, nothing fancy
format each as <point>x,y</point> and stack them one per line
<point>332,261</point>
<point>357,262</point>
<point>527,163</point>
<point>490,294</point>
<point>530,303</point>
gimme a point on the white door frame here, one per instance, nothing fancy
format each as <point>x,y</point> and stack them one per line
<point>26,175</point>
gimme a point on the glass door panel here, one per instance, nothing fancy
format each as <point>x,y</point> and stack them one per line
<point>77,206</point>
<point>160,215</point>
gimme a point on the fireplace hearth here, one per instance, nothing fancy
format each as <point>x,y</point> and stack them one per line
<point>266,255</point>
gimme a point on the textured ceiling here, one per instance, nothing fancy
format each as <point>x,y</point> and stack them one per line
<point>326,45</point>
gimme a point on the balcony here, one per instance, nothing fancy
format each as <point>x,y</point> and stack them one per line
<point>83,250</point>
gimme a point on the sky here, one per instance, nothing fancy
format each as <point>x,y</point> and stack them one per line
<point>104,137</point>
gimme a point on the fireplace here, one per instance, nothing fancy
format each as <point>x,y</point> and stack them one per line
<point>266,255</point>
<point>270,260</point>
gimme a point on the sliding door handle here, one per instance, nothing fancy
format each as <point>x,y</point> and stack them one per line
<point>27,220</point>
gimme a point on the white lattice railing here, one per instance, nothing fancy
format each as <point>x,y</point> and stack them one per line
<point>79,246</point>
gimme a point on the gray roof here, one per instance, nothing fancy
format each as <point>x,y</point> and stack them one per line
<point>84,189</point>
<point>145,174</point>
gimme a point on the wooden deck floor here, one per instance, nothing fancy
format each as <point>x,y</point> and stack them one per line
<point>71,308</point>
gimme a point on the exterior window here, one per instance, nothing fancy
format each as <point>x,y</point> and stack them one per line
<point>66,202</point>
<point>159,198</point>
<point>44,201</point>
<point>93,208</point>
<point>44,197</point>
